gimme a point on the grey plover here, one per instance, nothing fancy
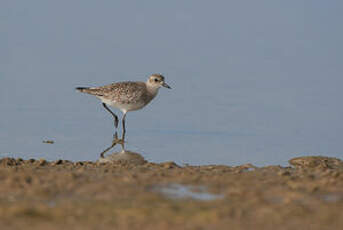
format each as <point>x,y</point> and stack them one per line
<point>126,96</point>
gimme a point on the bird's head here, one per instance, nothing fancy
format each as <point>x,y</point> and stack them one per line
<point>156,81</point>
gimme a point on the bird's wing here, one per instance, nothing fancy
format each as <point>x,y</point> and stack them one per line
<point>123,92</point>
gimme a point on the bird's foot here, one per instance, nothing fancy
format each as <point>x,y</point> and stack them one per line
<point>120,141</point>
<point>116,140</point>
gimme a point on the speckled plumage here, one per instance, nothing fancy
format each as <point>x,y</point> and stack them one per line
<point>122,92</point>
<point>127,96</point>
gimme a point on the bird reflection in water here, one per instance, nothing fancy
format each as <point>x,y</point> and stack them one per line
<point>123,155</point>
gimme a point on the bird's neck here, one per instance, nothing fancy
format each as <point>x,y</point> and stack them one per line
<point>152,90</point>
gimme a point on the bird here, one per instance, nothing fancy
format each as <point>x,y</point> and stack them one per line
<point>127,96</point>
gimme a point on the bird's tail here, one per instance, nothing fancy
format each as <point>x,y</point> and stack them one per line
<point>91,91</point>
<point>83,89</point>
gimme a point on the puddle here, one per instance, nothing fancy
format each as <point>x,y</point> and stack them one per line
<point>179,191</point>
<point>331,198</point>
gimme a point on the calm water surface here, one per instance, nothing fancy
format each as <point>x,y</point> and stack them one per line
<point>215,124</point>
<point>249,86</point>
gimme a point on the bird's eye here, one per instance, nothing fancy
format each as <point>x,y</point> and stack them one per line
<point>156,80</point>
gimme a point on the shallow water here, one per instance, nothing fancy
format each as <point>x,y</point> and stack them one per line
<point>254,92</point>
<point>179,191</point>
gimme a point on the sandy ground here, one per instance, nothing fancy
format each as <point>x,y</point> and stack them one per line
<point>131,194</point>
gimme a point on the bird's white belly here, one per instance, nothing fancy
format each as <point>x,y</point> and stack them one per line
<point>124,107</point>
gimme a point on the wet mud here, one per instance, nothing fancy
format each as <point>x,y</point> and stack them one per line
<point>128,192</point>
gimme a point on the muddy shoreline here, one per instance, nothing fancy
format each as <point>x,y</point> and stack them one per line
<point>130,194</point>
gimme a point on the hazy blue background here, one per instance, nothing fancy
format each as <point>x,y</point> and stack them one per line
<point>253,81</point>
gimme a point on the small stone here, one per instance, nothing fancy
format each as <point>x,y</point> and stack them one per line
<point>66,162</point>
<point>316,162</point>
<point>79,163</point>
<point>169,165</point>
<point>31,160</point>
<point>284,173</point>
<point>48,142</point>
<point>58,162</point>
<point>8,161</point>
<point>42,162</point>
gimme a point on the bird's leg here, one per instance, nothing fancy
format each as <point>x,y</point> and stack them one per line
<point>116,120</point>
<point>122,143</point>
<point>124,128</point>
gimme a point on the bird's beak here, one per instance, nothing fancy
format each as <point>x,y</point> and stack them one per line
<point>166,85</point>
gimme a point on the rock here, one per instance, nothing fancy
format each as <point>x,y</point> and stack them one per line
<point>79,163</point>
<point>169,165</point>
<point>7,161</point>
<point>124,157</point>
<point>31,160</point>
<point>42,162</point>
<point>316,162</point>
<point>58,162</point>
